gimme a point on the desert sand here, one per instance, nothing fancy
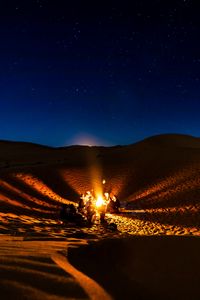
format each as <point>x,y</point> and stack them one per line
<point>154,253</point>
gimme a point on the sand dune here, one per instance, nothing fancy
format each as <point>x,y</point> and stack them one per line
<point>143,267</point>
<point>157,181</point>
<point>159,173</point>
<point>28,272</point>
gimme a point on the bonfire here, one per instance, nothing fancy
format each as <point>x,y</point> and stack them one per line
<point>98,204</point>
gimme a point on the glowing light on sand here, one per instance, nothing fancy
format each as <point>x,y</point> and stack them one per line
<point>28,202</point>
<point>175,183</point>
<point>39,186</point>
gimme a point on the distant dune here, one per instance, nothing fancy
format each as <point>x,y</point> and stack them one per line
<point>159,175</point>
<point>174,140</point>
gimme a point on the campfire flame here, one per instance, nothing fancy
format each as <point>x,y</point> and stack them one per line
<point>96,196</point>
<point>100,201</point>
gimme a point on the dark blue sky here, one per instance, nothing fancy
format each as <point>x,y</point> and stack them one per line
<point>114,73</point>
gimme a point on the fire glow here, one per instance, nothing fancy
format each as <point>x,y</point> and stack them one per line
<point>100,201</point>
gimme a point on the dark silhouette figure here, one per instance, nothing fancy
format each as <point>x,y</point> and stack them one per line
<point>113,205</point>
<point>117,204</point>
<point>90,211</point>
<point>81,205</point>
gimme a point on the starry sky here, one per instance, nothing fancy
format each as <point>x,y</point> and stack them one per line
<point>95,72</point>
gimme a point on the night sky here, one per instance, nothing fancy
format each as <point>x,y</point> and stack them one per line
<point>98,72</point>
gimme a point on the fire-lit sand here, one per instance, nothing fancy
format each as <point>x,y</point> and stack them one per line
<point>153,255</point>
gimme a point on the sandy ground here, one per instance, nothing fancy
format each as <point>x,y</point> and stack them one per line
<point>140,260</point>
<point>28,271</point>
<point>144,267</point>
<point>95,264</point>
<point>155,252</point>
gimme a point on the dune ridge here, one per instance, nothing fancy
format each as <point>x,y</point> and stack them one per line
<point>157,181</point>
<point>159,176</point>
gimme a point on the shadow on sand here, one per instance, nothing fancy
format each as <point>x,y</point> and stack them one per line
<point>52,179</point>
<point>148,267</point>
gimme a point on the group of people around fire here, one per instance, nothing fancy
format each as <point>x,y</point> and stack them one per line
<point>90,208</point>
